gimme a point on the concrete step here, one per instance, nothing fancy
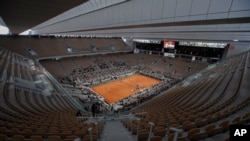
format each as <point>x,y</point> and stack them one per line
<point>115,131</point>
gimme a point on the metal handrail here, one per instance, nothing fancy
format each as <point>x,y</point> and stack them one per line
<point>60,88</point>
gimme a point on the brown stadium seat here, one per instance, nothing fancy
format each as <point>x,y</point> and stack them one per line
<point>3,130</point>
<point>18,137</point>
<point>191,133</point>
<point>160,132</point>
<point>180,137</point>
<point>187,125</point>
<point>3,137</point>
<point>224,125</point>
<point>36,138</point>
<point>236,120</point>
<point>156,138</point>
<point>212,130</point>
<point>88,138</point>
<point>64,134</point>
<point>200,122</point>
<point>143,136</point>
<point>71,137</point>
<point>54,137</point>
<point>245,118</point>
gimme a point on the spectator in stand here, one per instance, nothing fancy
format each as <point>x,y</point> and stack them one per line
<point>78,113</point>
<point>116,108</point>
<point>93,109</point>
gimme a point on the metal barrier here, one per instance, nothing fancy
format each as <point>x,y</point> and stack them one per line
<point>60,87</point>
<point>90,133</point>
<point>82,119</point>
<point>138,126</point>
<point>96,125</point>
<point>96,120</point>
<point>151,129</point>
<point>177,131</point>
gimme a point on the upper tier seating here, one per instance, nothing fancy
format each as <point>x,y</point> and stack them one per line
<point>49,46</point>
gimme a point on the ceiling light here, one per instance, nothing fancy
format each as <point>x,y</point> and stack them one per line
<point>4,30</point>
<point>27,32</point>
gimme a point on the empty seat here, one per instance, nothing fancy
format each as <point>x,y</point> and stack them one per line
<point>245,118</point>
<point>36,138</point>
<point>156,138</point>
<point>71,137</point>
<point>224,125</point>
<point>26,133</point>
<point>236,120</point>
<point>212,130</point>
<point>142,136</point>
<point>54,137</point>
<point>187,125</point>
<point>18,137</point>
<point>200,122</point>
<point>195,134</point>
<point>180,137</point>
<point>160,132</point>
<point>88,138</point>
<point>64,134</point>
<point>80,133</point>
<point>3,137</point>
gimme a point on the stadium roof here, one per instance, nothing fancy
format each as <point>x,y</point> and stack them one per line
<point>20,15</point>
<point>221,20</point>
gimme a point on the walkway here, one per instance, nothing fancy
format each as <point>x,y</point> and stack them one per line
<point>115,131</point>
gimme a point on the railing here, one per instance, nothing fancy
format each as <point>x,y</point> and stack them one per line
<point>60,88</point>
<point>99,119</point>
<point>3,72</point>
<point>177,132</point>
<point>82,54</point>
<point>113,117</point>
<point>25,83</point>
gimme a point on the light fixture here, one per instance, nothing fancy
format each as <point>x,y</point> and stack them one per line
<point>69,49</point>
<point>4,30</point>
<point>3,27</point>
<point>26,32</point>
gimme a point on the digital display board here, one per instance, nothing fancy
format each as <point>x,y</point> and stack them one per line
<point>169,44</point>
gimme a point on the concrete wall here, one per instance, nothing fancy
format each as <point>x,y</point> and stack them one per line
<point>236,48</point>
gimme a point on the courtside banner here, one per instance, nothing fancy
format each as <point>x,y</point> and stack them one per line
<point>239,132</point>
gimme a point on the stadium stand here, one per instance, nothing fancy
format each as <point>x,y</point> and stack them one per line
<point>207,107</point>
<point>201,108</point>
<point>26,112</point>
<point>124,70</point>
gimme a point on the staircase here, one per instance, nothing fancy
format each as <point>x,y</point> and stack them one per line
<point>115,131</point>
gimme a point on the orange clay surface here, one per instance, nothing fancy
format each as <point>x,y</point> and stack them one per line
<point>124,87</point>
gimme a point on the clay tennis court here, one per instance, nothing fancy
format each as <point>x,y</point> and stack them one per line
<point>124,87</point>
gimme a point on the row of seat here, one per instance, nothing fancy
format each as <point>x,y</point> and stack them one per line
<point>64,67</point>
<point>42,47</point>
<point>190,107</point>
<point>27,114</point>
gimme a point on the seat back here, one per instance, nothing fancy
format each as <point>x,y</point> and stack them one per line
<point>3,137</point>
<point>192,132</point>
<point>18,137</point>
<point>36,138</point>
<point>156,138</point>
